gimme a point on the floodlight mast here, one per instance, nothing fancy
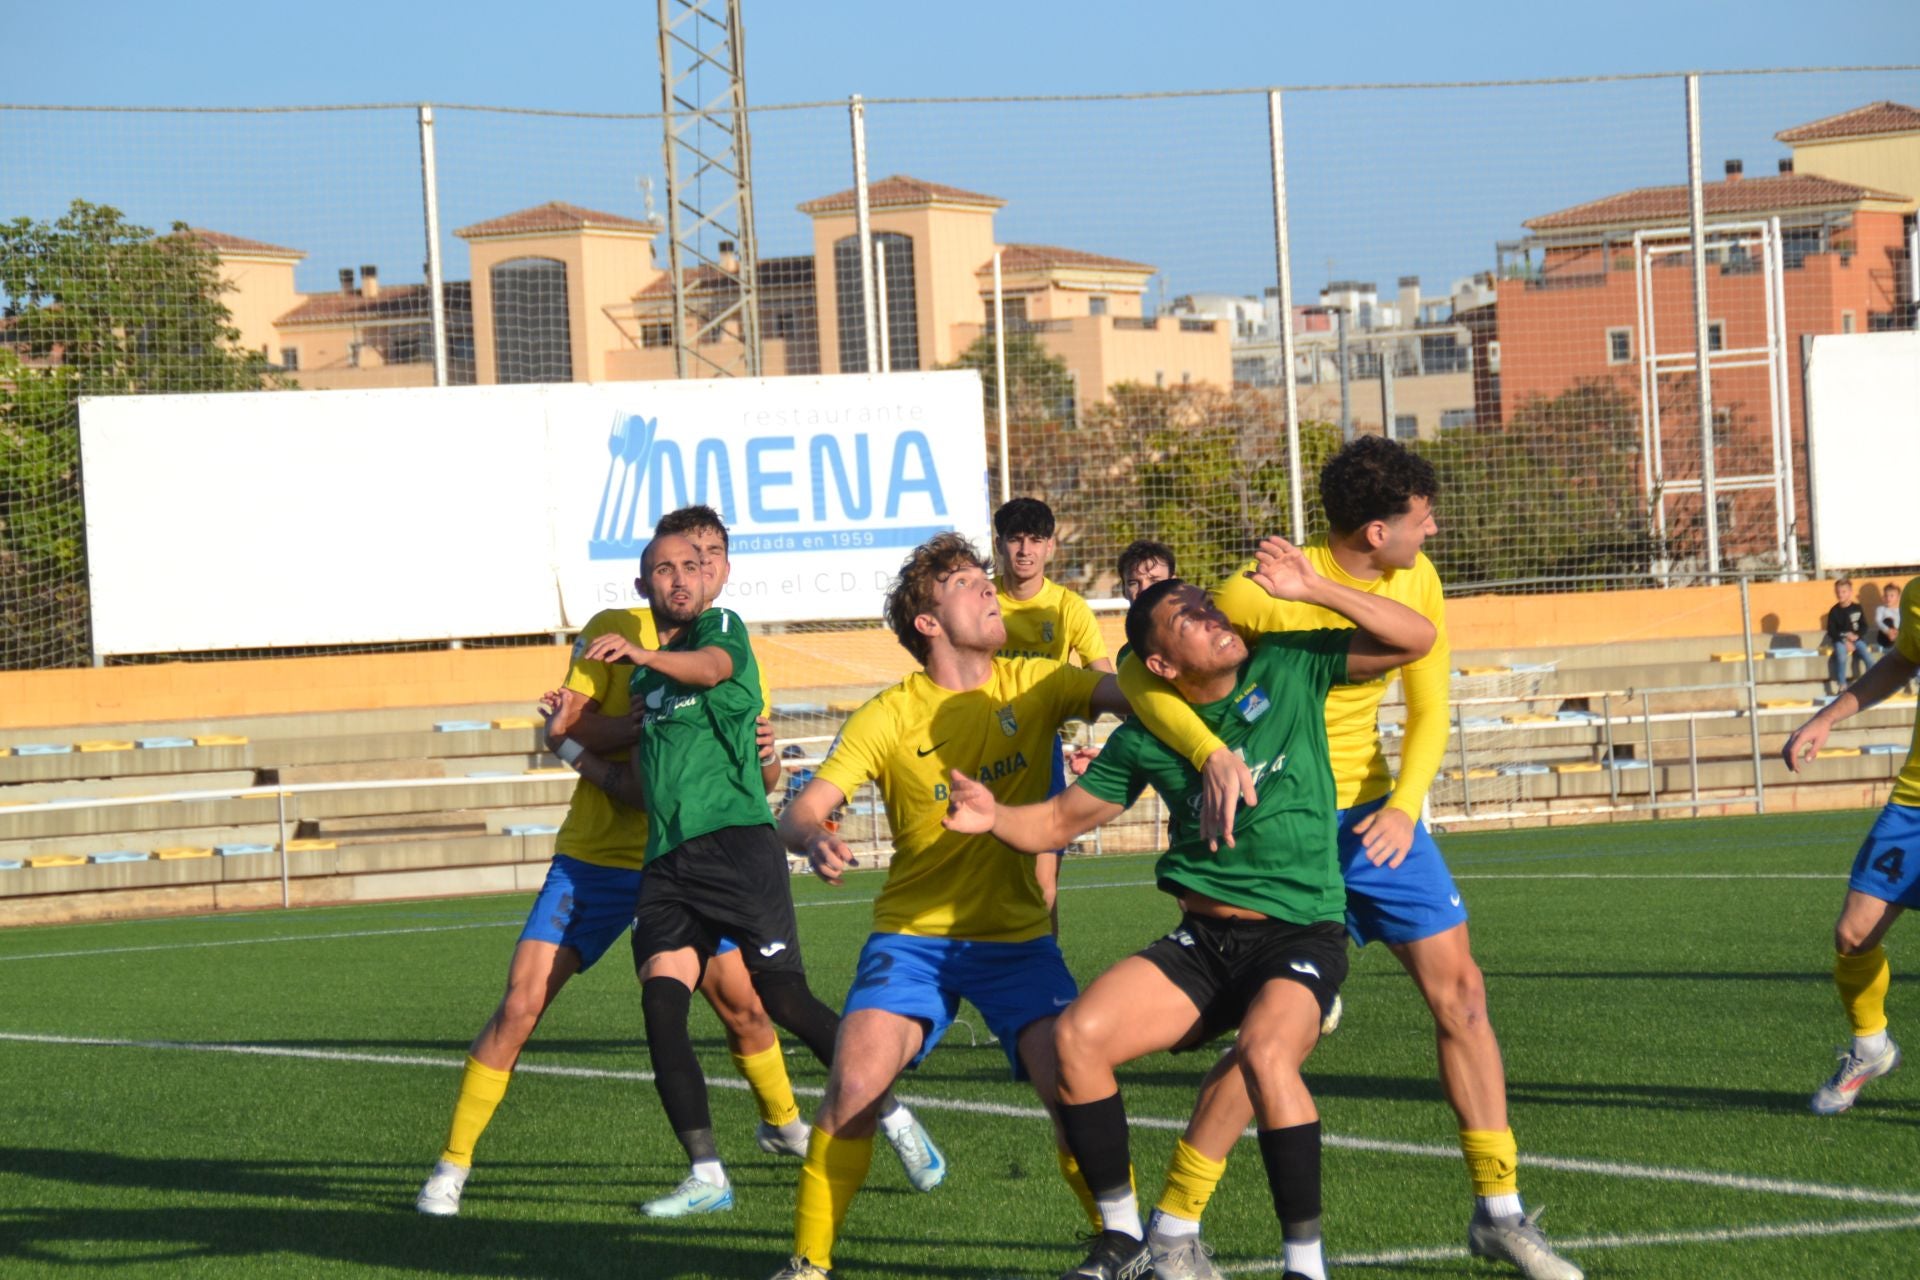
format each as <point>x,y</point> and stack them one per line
<point>716,314</point>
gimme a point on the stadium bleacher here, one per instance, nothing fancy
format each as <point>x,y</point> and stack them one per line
<point>446,800</point>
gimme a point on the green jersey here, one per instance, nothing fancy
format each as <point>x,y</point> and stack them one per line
<point>697,755</point>
<point>1284,861</point>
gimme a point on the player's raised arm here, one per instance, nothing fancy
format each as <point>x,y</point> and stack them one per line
<point>803,829</point>
<point>1028,828</point>
<point>1388,633</point>
<point>1882,680</point>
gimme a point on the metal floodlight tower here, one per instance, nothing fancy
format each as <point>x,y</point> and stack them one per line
<point>709,189</point>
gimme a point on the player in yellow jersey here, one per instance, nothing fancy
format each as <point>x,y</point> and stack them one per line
<point>1886,872</point>
<point>1043,620</point>
<point>1378,497</point>
<point>960,916</point>
<point>587,903</point>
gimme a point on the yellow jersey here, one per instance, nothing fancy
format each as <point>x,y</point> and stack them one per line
<point>1906,789</point>
<point>1360,772</point>
<point>906,738</point>
<point>596,829</point>
<point>1054,624</point>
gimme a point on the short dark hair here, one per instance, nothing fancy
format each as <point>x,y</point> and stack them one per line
<point>1141,552</point>
<point>692,520</point>
<point>1140,616</point>
<point>911,593</point>
<point>1024,516</point>
<point>1373,478</point>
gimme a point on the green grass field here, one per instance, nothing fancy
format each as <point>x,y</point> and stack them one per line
<point>260,1095</point>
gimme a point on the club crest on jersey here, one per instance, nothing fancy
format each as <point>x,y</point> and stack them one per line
<point>1254,705</point>
<point>1046,632</point>
<point>1008,725</point>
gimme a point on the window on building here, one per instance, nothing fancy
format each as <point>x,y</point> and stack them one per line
<point>289,357</point>
<point>1716,335</point>
<point>1493,357</point>
<point>1455,419</point>
<point>656,335</point>
<point>1406,427</point>
<point>1846,322</point>
<point>1722,427</point>
<point>903,317</point>
<point>1014,309</point>
<point>1726,511</point>
<point>409,344</point>
<point>532,341</point>
<point>1097,305</point>
<point>1619,346</point>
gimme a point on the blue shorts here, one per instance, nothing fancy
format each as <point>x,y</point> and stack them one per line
<point>1888,864</point>
<point>586,906</point>
<point>1013,984</point>
<point>1396,905</point>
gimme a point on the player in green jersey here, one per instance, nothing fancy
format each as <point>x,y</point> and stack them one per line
<point>1261,943</point>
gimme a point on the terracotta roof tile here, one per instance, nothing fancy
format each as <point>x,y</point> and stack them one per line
<point>396,302</point>
<point>1650,205</point>
<point>796,272</point>
<point>222,243</point>
<point>1040,257</point>
<point>1876,117</point>
<point>555,215</point>
<point>899,189</point>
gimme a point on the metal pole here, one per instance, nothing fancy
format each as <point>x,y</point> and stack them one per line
<point>1913,272</point>
<point>676,272</point>
<point>1753,697</point>
<point>1646,729</point>
<point>1786,399</point>
<point>880,294</point>
<point>1283,265</point>
<point>1346,408</point>
<point>1613,774</point>
<point>1696,226</point>
<point>286,890</point>
<point>1693,762</point>
<point>1000,378</point>
<point>863,219</point>
<point>1775,402</point>
<point>1466,792</point>
<point>436,287</point>
<point>1386,393</point>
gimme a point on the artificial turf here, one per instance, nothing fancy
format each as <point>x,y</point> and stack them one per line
<point>1659,988</point>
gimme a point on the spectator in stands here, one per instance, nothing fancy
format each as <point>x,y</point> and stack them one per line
<point>1886,619</point>
<point>1846,632</point>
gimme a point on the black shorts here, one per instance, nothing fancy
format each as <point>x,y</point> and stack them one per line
<point>1222,964</point>
<point>730,883</point>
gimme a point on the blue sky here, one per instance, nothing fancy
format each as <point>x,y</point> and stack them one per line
<point>1384,182</point>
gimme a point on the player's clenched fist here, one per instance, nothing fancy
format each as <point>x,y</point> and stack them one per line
<point>829,855</point>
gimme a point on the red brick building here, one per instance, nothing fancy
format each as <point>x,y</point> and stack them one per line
<point>1581,298</point>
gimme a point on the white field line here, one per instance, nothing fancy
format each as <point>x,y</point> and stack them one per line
<point>431,928</point>
<point>1604,1168</point>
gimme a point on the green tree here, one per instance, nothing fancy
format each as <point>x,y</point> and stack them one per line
<point>1040,413</point>
<point>93,306</point>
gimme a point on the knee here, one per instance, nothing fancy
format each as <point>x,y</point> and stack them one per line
<point>1459,1000</point>
<point>1078,1037</point>
<point>1850,937</point>
<point>1265,1060</point>
<point>520,1010</point>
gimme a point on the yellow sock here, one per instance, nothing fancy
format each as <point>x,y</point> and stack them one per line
<point>481,1088</point>
<point>1862,981</point>
<point>766,1074</point>
<point>1070,1170</point>
<point>1493,1161</point>
<point>834,1170</point>
<point>1191,1178</point>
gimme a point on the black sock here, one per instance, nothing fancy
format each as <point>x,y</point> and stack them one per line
<point>676,1071</point>
<point>1292,1157</point>
<point>793,1007</point>
<point>1097,1135</point>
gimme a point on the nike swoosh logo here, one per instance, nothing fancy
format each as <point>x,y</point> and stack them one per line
<point>927,751</point>
<point>1058,1003</point>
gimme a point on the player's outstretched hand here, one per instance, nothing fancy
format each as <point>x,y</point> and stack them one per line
<point>1079,759</point>
<point>1225,784</point>
<point>1806,742</point>
<point>763,738</point>
<point>613,647</point>
<point>549,702</point>
<point>1386,835</point>
<point>1281,569</point>
<point>829,855</point>
<point>970,806</point>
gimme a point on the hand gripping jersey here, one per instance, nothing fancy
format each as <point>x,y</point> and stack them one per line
<point>906,738</point>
